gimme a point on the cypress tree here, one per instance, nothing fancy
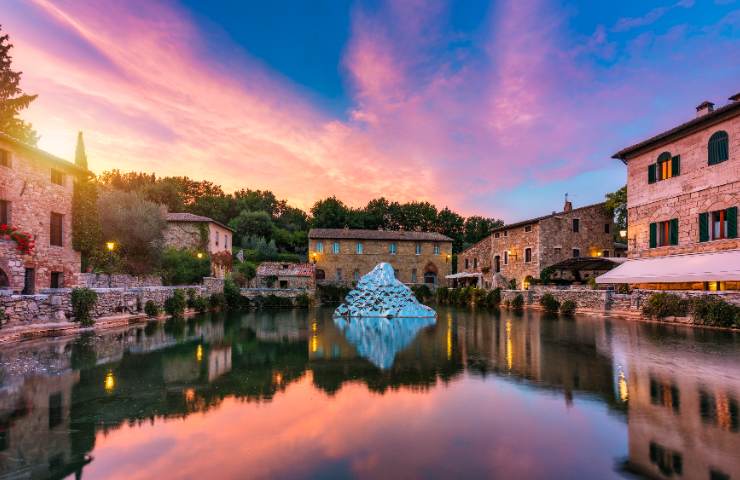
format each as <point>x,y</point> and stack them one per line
<point>86,231</point>
<point>12,98</point>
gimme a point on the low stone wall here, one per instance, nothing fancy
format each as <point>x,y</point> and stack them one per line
<point>54,305</point>
<point>252,293</point>
<point>104,280</point>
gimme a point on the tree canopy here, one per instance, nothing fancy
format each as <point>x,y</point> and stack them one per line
<point>12,98</point>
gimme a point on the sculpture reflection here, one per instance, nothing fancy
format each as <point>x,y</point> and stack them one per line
<point>380,339</point>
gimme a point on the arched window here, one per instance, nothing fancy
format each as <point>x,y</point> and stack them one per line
<point>664,166</point>
<point>718,149</point>
<point>430,277</point>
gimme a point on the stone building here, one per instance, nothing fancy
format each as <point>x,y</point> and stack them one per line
<point>343,255</point>
<point>523,249</point>
<point>285,275</point>
<point>195,232</point>
<point>36,198</point>
<point>683,188</point>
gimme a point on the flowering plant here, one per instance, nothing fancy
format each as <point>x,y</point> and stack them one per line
<point>24,241</point>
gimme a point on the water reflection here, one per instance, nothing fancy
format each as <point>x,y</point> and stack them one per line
<point>480,387</point>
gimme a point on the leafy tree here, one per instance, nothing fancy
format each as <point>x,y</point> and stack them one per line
<point>136,225</point>
<point>86,230</point>
<point>183,267</point>
<point>12,98</point>
<point>477,228</point>
<point>258,224</point>
<point>330,213</point>
<point>453,225</point>
<point>617,202</point>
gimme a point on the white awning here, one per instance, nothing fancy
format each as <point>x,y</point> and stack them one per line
<point>463,275</point>
<point>695,267</point>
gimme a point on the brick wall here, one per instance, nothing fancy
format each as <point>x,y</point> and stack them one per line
<point>699,188</point>
<point>33,197</point>
<point>376,251</point>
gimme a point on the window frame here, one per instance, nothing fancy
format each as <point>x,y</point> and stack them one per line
<point>576,225</point>
<point>527,228</point>
<point>319,246</point>
<point>576,253</point>
<point>718,138</point>
<point>53,235</point>
<point>392,248</point>
<point>359,248</point>
<point>336,248</point>
<point>59,276</point>
<point>5,212</point>
<point>417,248</point>
<point>57,177</point>
<point>436,249</point>
<point>528,255</point>
<point>5,158</point>
<point>506,257</point>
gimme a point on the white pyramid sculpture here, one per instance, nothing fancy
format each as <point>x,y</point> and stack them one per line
<point>380,294</point>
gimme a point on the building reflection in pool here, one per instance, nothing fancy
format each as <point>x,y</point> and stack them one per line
<point>681,411</point>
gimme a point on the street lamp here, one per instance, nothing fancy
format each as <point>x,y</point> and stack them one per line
<point>110,246</point>
<point>199,255</point>
<point>623,233</point>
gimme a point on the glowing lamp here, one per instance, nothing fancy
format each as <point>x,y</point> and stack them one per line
<point>199,255</point>
<point>110,246</point>
<point>623,233</point>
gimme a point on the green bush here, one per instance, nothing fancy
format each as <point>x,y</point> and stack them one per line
<point>279,302</point>
<point>83,300</point>
<point>591,282</point>
<point>332,293</point>
<point>175,305</point>
<point>568,307</point>
<point>151,309</point>
<point>661,305</point>
<point>191,294</point>
<point>303,300</point>
<point>710,310</point>
<point>217,301</point>
<point>199,304</point>
<point>233,299</point>
<point>549,303</point>
<point>183,267</point>
<point>518,302</point>
<point>493,298</point>
<point>545,275</point>
<point>477,296</point>
<point>443,294</point>
<point>422,292</point>
<point>512,284</point>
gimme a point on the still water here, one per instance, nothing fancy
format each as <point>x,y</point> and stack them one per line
<point>287,394</point>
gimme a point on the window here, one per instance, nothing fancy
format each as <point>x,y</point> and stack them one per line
<point>718,225</point>
<point>335,248</point>
<point>528,228</point>
<point>506,233</point>
<point>218,237</point>
<point>664,233</point>
<point>436,249</point>
<point>319,247</point>
<point>57,177</point>
<point>467,264</point>
<point>605,253</point>
<point>320,274</point>
<point>527,255</point>
<point>356,275</point>
<point>430,278</point>
<point>226,241</point>
<point>55,234</point>
<point>665,167</point>
<point>496,235</point>
<point>475,264</point>
<point>359,248</point>
<point>4,158</point>
<point>413,275</point>
<point>718,148</point>
<point>4,212</point>
<point>339,274</point>
<point>57,280</point>
<point>506,258</point>
<point>418,249</point>
<point>392,248</point>
<point>576,225</point>
<point>497,263</point>
<point>558,250</point>
<point>607,228</point>
<point>29,281</point>
<point>576,252</point>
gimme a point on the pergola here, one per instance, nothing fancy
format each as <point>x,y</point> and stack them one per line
<point>575,266</point>
<point>466,278</point>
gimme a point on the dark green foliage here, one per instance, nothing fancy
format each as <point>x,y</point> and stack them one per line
<point>512,284</point>
<point>217,301</point>
<point>191,294</point>
<point>273,301</point>
<point>568,307</point>
<point>183,267</point>
<point>661,305</point>
<point>13,99</point>
<point>151,308</point>
<point>493,298</point>
<point>87,234</point>
<point>710,310</point>
<point>331,293</point>
<point>545,275</point>
<point>233,296</point>
<point>549,303</point>
<point>83,300</point>
<point>443,295</point>
<point>303,300</point>
<point>199,304</point>
<point>243,273</point>
<point>518,302</point>
<point>422,292</point>
<point>247,223</point>
<point>616,203</point>
<point>175,305</point>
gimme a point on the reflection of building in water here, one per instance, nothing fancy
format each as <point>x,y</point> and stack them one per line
<point>34,428</point>
<point>683,423</point>
<point>219,361</point>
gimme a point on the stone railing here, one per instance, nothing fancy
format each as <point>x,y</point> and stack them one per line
<point>104,280</point>
<point>252,293</point>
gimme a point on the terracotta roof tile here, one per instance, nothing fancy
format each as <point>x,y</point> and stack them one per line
<point>192,218</point>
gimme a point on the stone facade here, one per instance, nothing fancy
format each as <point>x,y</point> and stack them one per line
<point>419,257</point>
<point>549,240</point>
<point>699,188</point>
<point>195,232</point>
<point>30,197</point>
<point>286,275</point>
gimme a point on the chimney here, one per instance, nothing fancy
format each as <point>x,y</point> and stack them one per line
<point>704,107</point>
<point>568,206</point>
<point>735,98</point>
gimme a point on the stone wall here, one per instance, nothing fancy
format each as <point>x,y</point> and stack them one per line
<point>699,188</point>
<point>252,293</point>
<point>477,259</point>
<point>26,185</point>
<point>103,280</point>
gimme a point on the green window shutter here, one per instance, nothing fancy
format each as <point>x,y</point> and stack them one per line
<point>718,148</point>
<point>653,235</point>
<point>731,215</point>
<point>704,227</point>
<point>674,232</point>
<point>676,166</point>
<point>651,173</point>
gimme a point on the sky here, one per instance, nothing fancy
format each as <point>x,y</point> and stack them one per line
<point>491,108</point>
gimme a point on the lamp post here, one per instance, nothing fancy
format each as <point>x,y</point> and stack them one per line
<point>623,233</point>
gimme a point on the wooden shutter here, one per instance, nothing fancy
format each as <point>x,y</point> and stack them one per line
<point>55,235</point>
<point>676,166</point>
<point>704,227</point>
<point>718,148</point>
<point>674,232</point>
<point>651,172</point>
<point>4,216</point>
<point>653,235</point>
<point>731,214</point>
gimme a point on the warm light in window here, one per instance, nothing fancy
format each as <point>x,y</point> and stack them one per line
<point>110,382</point>
<point>189,394</point>
<point>110,246</point>
<point>199,353</point>
<point>277,378</point>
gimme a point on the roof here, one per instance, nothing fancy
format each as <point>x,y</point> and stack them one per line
<point>588,263</point>
<point>401,235</point>
<point>538,219</point>
<point>284,269</point>
<point>687,128</point>
<point>694,267</point>
<point>192,218</point>
<point>46,156</point>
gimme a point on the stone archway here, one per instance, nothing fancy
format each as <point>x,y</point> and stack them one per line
<point>430,274</point>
